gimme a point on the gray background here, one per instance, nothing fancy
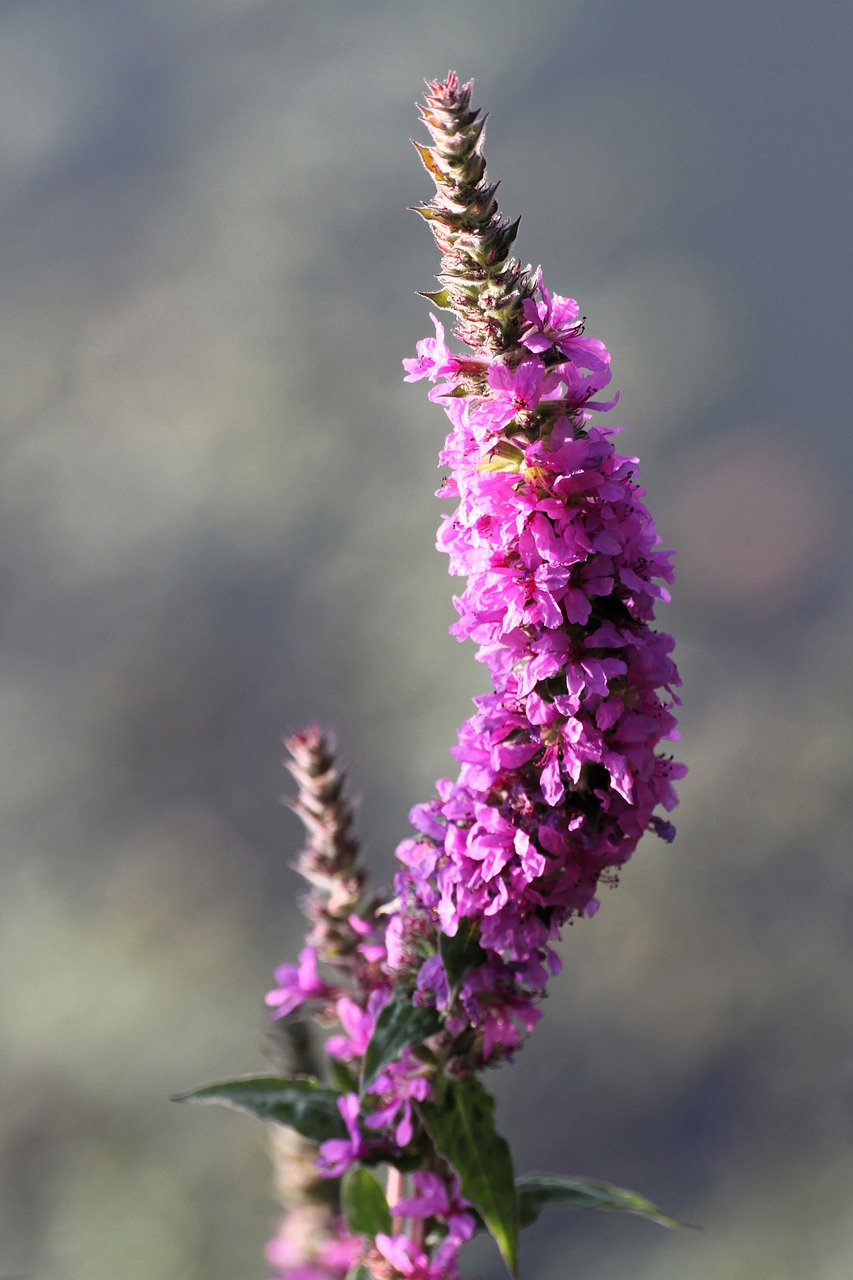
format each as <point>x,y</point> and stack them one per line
<point>217,523</point>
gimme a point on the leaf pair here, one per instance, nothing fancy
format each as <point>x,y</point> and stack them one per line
<point>460,1122</point>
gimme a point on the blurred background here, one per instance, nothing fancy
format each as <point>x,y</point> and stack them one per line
<point>217,524</point>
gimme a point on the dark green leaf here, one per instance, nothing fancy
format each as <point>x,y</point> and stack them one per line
<point>364,1204</point>
<point>399,1025</point>
<point>343,1076</point>
<point>461,1124</point>
<point>538,1191</point>
<point>461,953</point>
<point>358,1272</point>
<point>303,1105</point>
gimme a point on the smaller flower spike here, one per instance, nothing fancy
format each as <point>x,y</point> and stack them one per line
<point>481,283</point>
<point>329,861</point>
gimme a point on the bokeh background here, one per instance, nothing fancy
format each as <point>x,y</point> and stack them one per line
<point>217,524</point>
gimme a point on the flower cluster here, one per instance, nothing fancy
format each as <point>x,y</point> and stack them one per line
<point>560,768</point>
<point>560,774</point>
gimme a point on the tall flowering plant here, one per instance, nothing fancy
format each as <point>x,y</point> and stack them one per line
<point>387,1153</point>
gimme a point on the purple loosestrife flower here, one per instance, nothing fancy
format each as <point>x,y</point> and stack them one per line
<point>410,1262</point>
<point>357,1023</point>
<point>298,983</point>
<point>560,771</point>
<point>553,322</point>
<point>337,1154</point>
<point>437,1197</point>
<point>401,1084</point>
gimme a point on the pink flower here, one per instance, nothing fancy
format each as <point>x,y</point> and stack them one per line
<point>297,983</point>
<point>553,322</point>
<point>358,1026</point>
<point>433,357</point>
<point>520,388</point>
<point>439,1198</point>
<point>399,1085</point>
<point>414,1263</point>
<point>337,1154</point>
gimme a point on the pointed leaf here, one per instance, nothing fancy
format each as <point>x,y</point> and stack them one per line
<point>303,1105</point>
<point>399,1025</point>
<point>462,953</point>
<point>428,159</point>
<point>461,1124</point>
<point>538,1191</point>
<point>364,1204</point>
<point>440,298</point>
<point>343,1076</point>
<point>428,214</point>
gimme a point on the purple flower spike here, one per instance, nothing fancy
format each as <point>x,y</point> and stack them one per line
<point>560,766</point>
<point>560,772</point>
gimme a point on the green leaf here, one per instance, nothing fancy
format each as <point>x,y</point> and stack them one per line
<point>358,1272</point>
<point>364,1204</point>
<point>303,1105</point>
<point>461,953</point>
<point>538,1191</point>
<point>440,297</point>
<point>344,1077</point>
<point>399,1025</point>
<point>428,214</point>
<point>461,1124</point>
